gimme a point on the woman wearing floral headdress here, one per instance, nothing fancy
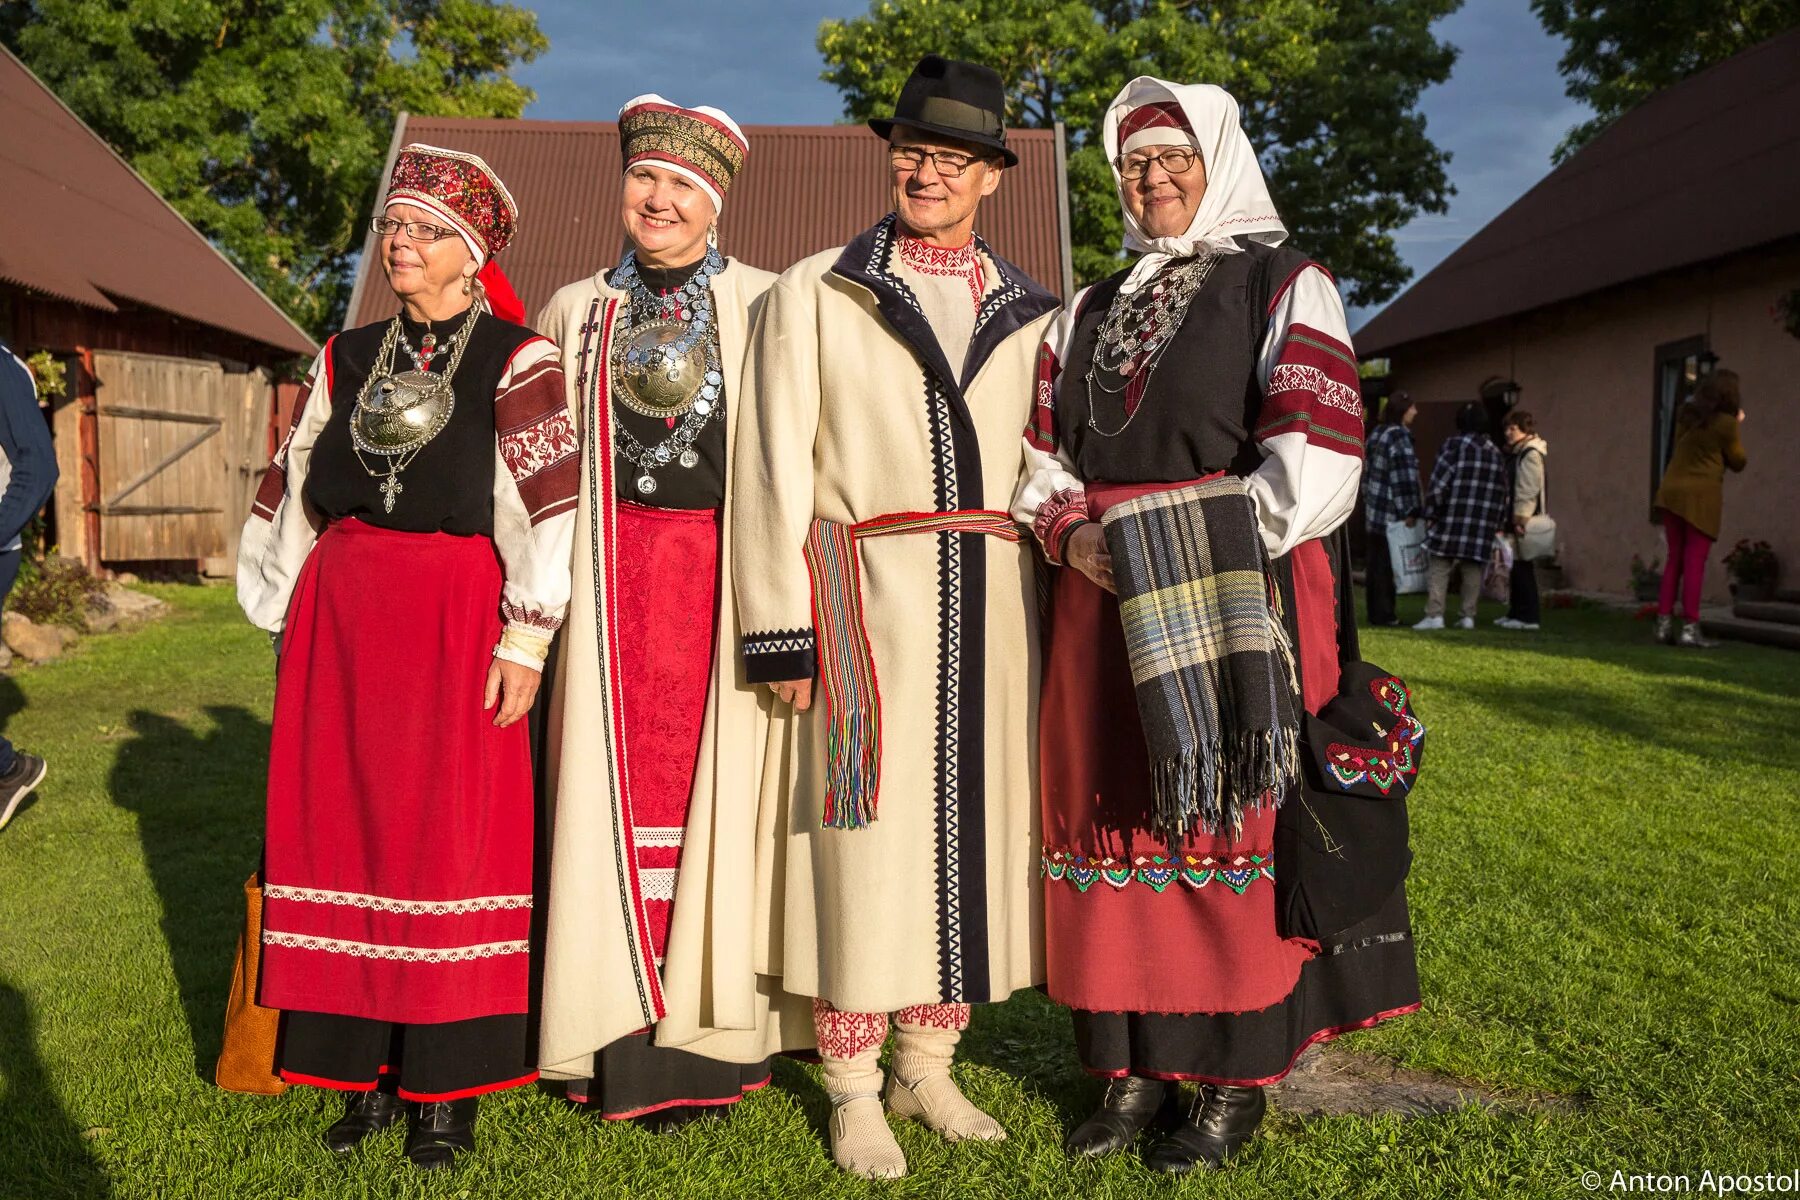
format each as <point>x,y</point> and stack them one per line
<point>1197,443</point>
<point>654,1008</point>
<point>408,551</point>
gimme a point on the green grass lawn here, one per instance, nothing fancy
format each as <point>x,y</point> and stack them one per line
<point>1604,895</point>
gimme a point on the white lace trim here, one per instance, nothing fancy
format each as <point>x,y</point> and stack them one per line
<point>434,908</point>
<point>659,835</point>
<point>436,954</point>
<point>658,882</point>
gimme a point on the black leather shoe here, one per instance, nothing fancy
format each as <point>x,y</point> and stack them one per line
<point>1131,1102</point>
<point>368,1112</point>
<point>1221,1120</point>
<point>440,1131</point>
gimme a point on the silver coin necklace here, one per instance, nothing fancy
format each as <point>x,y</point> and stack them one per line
<point>1137,331</point>
<point>399,412</point>
<point>665,363</point>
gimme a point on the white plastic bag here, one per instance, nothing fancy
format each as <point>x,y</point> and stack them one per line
<point>1406,549</point>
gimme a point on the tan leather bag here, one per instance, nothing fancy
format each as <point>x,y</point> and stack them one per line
<point>247,1059</point>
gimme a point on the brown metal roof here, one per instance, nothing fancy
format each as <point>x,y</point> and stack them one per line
<point>1703,169</point>
<point>804,188</point>
<point>81,225</point>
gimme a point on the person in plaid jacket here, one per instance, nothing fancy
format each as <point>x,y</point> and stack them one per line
<point>1390,494</point>
<point>1466,504</point>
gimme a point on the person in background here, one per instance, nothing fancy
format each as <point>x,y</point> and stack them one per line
<point>27,474</point>
<point>1527,451</point>
<point>1692,496</point>
<point>1465,505</point>
<point>1390,494</point>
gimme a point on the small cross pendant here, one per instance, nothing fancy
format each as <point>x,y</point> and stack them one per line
<point>390,487</point>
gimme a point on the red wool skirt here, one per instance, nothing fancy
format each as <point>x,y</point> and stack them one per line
<point>1132,924</point>
<point>397,884</point>
<point>668,579</point>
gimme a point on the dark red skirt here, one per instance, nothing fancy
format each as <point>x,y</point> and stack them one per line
<point>397,884</point>
<point>1132,924</point>
<point>668,581</point>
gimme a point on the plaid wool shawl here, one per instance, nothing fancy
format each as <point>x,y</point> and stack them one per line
<point>1211,662</point>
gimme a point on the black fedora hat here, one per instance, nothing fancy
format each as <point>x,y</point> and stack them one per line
<point>960,100</point>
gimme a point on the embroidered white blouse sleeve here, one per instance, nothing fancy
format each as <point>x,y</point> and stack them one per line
<point>282,527</point>
<point>1310,426</point>
<point>1051,498</point>
<point>536,474</point>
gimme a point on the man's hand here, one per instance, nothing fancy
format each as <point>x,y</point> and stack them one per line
<point>514,686</point>
<point>1085,550</point>
<point>797,692</point>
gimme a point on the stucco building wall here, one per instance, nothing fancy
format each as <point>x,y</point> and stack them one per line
<point>1587,370</point>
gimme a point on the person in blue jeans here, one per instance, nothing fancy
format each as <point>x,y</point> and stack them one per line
<point>27,474</point>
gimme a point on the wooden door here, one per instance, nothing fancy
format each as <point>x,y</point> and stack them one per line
<point>164,473</point>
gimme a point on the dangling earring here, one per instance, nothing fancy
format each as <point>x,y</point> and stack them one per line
<point>712,235</point>
<point>468,287</point>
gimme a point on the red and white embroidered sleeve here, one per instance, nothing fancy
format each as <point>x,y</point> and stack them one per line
<point>280,531</point>
<point>1310,426</point>
<point>536,475</point>
<point>1050,498</point>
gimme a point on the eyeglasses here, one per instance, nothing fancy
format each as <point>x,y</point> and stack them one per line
<point>1176,161</point>
<point>418,231</point>
<point>949,163</point>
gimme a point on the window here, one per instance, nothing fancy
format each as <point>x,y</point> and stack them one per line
<point>1679,366</point>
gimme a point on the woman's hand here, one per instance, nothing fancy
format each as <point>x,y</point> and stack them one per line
<point>797,692</point>
<point>514,686</point>
<point>1085,550</point>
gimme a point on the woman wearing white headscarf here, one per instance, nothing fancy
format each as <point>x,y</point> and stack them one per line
<point>1221,357</point>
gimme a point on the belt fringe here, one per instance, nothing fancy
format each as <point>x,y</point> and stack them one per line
<point>846,664</point>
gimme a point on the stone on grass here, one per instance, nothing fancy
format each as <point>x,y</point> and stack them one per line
<point>134,608</point>
<point>37,643</point>
<point>99,614</point>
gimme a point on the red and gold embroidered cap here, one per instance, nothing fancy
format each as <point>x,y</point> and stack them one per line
<point>1157,124</point>
<point>460,188</point>
<point>703,144</point>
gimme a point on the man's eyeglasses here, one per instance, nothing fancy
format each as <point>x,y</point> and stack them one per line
<point>949,163</point>
<point>418,231</point>
<point>1176,161</point>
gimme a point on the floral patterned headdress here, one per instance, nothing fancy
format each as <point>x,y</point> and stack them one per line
<point>462,191</point>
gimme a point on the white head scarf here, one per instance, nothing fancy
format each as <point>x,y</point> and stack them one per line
<point>1236,202</point>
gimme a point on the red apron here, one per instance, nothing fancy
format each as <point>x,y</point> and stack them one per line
<point>397,884</point>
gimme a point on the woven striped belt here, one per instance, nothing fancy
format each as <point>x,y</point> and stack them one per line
<point>846,667</point>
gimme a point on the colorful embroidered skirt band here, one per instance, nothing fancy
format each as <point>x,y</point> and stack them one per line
<point>846,665</point>
<point>398,882</point>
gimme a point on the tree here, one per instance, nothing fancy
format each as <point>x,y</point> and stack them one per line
<point>1621,51</point>
<point>266,122</point>
<point>1329,91</point>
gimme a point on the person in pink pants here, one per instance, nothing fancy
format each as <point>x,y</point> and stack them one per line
<point>1692,497</point>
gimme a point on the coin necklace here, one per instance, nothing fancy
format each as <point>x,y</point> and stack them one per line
<point>1137,331</point>
<point>398,413</point>
<point>665,360</point>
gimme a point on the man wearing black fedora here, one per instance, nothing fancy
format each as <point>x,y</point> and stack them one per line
<point>871,478</point>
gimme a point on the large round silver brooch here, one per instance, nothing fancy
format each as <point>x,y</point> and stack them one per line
<point>660,368</point>
<point>402,412</point>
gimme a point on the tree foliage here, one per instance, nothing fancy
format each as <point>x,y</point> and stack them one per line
<point>1329,91</point>
<point>1621,51</point>
<point>266,122</point>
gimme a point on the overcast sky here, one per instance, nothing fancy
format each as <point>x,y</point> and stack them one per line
<point>1500,115</point>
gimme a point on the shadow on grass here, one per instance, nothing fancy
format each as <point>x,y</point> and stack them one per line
<point>198,797</point>
<point>44,1154</point>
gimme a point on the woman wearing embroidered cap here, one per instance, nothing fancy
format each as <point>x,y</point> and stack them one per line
<point>1197,442</point>
<point>654,745</point>
<point>412,613</point>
